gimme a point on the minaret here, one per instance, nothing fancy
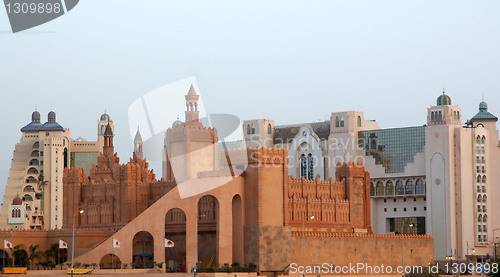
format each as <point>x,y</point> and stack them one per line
<point>192,114</point>
<point>108,149</point>
<point>138,145</point>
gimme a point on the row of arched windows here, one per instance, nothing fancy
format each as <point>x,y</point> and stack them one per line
<point>456,115</point>
<point>400,188</point>
<point>251,129</point>
<point>480,179</point>
<point>16,213</point>
<point>307,166</point>
<point>480,140</point>
<point>339,122</point>
<point>437,116</point>
<point>481,199</point>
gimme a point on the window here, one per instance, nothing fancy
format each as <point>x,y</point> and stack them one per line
<point>478,169</point>
<point>269,129</point>
<point>478,160</point>
<point>479,238</point>
<point>482,169</point>
<point>337,121</point>
<point>485,239</point>
<point>425,208</point>
<point>359,121</point>
<point>310,159</point>
<point>485,219</point>
<point>484,209</point>
<point>482,149</point>
<point>477,139</point>
<point>395,209</point>
<point>478,208</point>
<point>433,117</point>
<point>482,160</point>
<point>484,199</point>
<point>404,209</point>
<point>380,188</point>
<point>414,209</point>
<point>479,199</point>
<point>479,228</point>
<point>478,179</point>
<point>303,166</point>
<point>483,189</point>
<point>478,188</point>
<point>477,150</point>
<point>400,189</point>
<point>485,229</point>
<point>420,188</point>
<point>341,121</point>
<point>249,130</point>
<point>410,188</point>
<point>372,189</point>
<point>253,129</point>
<point>385,210</point>
<point>385,200</point>
<point>480,218</point>
<point>394,201</point>
<point>484,179</point>
<point>483,139</point>
<point>389,188</point>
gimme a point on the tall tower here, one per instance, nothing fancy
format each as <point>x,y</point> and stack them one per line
<point>108,149</point>
<point>441,148</point>
<point>190,148</point>
<point>138,145</point>
<point>192,114</point>
<point>103,121</point>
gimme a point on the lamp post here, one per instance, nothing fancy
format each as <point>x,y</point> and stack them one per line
<point>73,242</point>
<point>467,255</point>
<point>196,242</point>
<point>495,244</point>
<point>303,244</point>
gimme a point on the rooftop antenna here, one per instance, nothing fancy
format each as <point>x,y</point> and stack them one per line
<point>483,96</point>
<point>443,90</point>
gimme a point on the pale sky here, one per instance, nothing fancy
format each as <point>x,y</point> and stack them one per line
<point>291,61</point>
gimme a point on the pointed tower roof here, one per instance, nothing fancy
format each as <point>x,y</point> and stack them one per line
<point>108,132</point>
<point>192,91</point>
<point>138,137</point>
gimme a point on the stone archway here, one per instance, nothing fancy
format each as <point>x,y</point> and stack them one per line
<point>175,230</point>
<point>110,261</point>
<point>143,250</point>
<point>208,225</point>
<point>237,214</point>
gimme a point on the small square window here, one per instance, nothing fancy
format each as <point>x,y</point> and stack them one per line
<point>414,199</point>
<point>394,200</point>
<point>385,200</point>
<point>404,209</point>
<point>425,198</point>
<point>415,209</point>
<point>425,208</point>
<point>404,199</point>
<point>395,209</point>
<point>385,209</point>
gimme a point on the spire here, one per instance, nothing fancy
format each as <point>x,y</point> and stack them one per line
<point>192,91</point>
<point>192,114</point>
<point>138,137</point>
<point>138,145</point>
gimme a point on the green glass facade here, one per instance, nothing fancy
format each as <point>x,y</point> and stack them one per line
<point>393,148</point>
<point>84,160</point>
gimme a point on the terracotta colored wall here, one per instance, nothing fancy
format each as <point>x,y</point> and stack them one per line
<point>375,250</point>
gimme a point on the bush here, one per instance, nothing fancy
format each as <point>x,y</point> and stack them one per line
<point>125,266</point>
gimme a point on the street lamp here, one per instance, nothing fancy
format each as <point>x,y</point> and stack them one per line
<point>467,255</point>
<point>303,244</point>
<point>73,242</point>
<point>494,243</point>
<point>196,243</point>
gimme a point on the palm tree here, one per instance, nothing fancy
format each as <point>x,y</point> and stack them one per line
<point>53,252</point>
<point>19,255</point>
<point>34,253</point>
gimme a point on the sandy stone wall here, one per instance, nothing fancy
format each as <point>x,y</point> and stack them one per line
<point>268,246</point>
<point>375,250</point>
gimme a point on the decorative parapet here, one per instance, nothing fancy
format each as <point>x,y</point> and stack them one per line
<point>357,235</point>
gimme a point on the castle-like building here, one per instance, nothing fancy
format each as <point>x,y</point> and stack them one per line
<point>260,204</point>
<point>33,196</point>
<point>438,178</point>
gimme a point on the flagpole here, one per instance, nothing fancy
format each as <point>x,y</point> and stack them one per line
<point>112,252</point>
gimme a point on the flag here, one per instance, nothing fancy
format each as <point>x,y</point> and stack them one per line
<point>62,244</point>
<point>169,243</point>
<point>116,243</point>
<point>7,244</point>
